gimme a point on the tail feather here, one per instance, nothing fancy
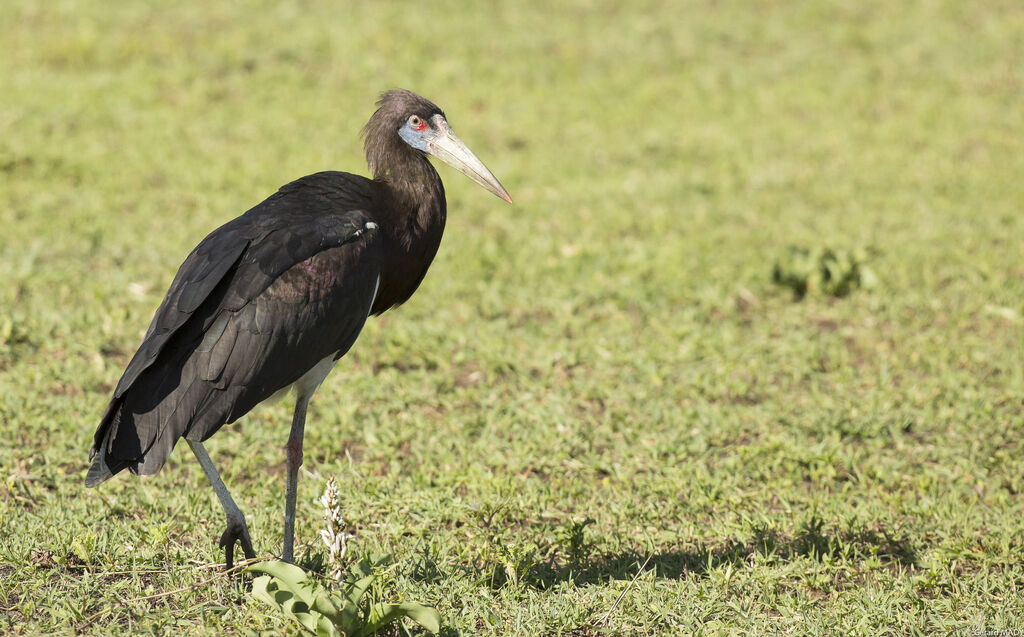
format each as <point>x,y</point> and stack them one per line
<point>103,468</point>
<point>138,436</point>
<point>119,444</point>
<point>100,470</point>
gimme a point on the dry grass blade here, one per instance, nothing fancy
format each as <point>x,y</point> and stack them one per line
<point>237,568</point>
<point>618,599</point>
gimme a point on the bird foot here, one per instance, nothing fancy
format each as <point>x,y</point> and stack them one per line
<point>236,532</point>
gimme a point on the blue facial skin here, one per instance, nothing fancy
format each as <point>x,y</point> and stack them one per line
<point>416,139</point>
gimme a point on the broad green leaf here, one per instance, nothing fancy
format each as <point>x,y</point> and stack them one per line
<point>350,617</point>
<point>269,589</point>
<point>266,589</point>
<point>324,604</point>
<point>425,616</point>
<point>292,578</point>
<point>355,591</point>
<point>385,614</point>
<point>259,590</point>
<point>326,628</point>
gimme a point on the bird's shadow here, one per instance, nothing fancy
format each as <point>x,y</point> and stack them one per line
<point>581,568</point>
<point>812,540</point>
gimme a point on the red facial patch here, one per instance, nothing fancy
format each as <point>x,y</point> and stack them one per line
<point>418,123</point>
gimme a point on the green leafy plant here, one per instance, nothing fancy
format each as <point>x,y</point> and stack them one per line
<point>354,611</point>
<point>573,539</point>
<point>506,561</point>
<point>355,608</point>
<point>832,272</point>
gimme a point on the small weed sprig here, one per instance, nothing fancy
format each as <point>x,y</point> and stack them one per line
<point>335,536</point>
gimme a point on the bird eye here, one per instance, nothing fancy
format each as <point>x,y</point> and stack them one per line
<point>417,122</point>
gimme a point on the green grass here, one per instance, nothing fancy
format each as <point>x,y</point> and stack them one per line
<point>610,348</point>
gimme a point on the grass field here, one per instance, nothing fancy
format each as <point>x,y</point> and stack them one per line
<point>598,378</point>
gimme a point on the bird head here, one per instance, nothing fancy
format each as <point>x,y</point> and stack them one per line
<point>404,119</point>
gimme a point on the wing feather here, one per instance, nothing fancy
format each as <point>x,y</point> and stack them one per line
<point>255,305</point>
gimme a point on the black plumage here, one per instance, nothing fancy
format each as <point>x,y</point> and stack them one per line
<point>268,296</point>
<point>288,282</point>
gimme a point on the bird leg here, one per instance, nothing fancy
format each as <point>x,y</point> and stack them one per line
<point>237,530</point>
<point>293,456</point>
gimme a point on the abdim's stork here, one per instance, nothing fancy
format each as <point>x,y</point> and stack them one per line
<point>271,300</point>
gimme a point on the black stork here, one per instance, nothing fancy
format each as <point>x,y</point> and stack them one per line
<point>271,300</point>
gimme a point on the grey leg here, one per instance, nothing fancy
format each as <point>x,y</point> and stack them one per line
<point>293,462</point>
<point>237,530</point>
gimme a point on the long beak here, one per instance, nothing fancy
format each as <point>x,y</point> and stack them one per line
<point>449,148</point>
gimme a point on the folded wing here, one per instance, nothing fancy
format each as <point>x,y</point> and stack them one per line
<point>257,304</point>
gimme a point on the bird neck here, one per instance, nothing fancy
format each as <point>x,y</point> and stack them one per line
<point>413,221</point>
<point>416,203</point>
